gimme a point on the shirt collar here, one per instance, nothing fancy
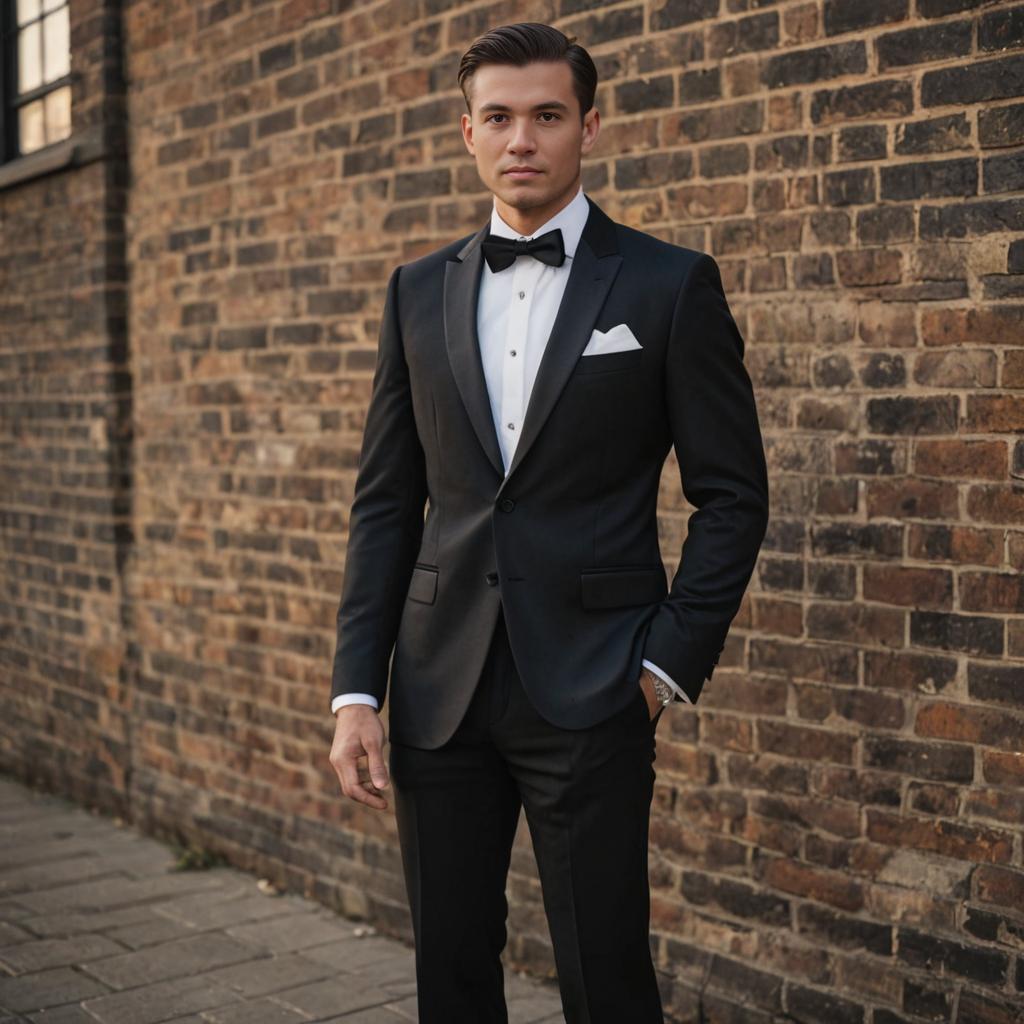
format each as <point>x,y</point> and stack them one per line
<point>570,219</point>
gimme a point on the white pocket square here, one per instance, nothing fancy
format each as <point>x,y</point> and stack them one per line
<point>616,339</point>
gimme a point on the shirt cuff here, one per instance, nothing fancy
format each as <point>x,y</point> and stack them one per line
<point>671,682</point>
<point>353,698</point>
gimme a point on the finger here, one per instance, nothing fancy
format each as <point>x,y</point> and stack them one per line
<point>356,790</point>
<point>375,759</point>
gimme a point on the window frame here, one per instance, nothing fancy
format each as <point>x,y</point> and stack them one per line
<point>10,101</point>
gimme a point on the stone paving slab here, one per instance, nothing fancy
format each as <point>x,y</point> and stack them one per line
<point>97,928</point>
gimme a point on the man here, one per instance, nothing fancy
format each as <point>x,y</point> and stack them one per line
<point>531,380</point>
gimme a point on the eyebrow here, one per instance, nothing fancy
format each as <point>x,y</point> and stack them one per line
<point>551,104</point>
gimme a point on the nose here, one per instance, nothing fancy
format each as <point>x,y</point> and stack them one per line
<point>522,138</point>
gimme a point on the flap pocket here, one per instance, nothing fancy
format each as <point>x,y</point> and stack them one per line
<point>423,584</point>
<point>617,588</point>
<point>609,361</point>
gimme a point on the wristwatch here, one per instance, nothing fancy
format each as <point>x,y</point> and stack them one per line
<point>664,692</point>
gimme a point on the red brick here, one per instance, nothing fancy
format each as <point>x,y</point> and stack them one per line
<point>972,326</point>
<point>961,459</point>
<point>909,586</point>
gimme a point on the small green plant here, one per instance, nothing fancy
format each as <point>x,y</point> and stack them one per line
<point>195,858</point>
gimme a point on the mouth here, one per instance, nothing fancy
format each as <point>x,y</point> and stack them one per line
<point>522,172</point>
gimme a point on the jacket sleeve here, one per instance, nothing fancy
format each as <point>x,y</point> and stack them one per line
<point>717,439</point>
<point>385,523</point>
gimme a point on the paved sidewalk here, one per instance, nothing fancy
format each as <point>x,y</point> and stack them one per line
<point>94,926</point>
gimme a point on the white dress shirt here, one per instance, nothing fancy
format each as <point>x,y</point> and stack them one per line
<point>515,312</point>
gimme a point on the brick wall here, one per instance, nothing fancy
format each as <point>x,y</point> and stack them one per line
<point>837,825</point>
<point>65,444</point>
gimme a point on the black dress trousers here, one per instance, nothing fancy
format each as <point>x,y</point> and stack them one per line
<point>587,796</point>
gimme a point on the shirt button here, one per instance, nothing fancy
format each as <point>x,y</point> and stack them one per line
<point>511,426</point>
<point>513,352</point>
<point>522,295</point>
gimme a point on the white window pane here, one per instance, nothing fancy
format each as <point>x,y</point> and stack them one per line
<point>58,114</point>
<point>27,10</point>
<point>52,5</point>
<point>30,73</point>
<point>31,132</point>
<point>56,56</point>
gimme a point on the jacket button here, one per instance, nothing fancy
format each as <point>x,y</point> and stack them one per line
<point>507,504</point>
<point>492,579</point>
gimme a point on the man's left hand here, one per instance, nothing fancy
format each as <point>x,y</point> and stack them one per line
<point>647,685</point>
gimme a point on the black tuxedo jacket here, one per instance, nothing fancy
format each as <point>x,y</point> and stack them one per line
<point>567,541</point>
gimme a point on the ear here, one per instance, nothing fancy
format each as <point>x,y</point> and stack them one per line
<point>466,123</point>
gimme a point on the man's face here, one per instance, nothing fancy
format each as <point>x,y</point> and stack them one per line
<point>528,117</point>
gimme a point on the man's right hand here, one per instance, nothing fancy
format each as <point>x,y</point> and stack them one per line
<point>357,751</point>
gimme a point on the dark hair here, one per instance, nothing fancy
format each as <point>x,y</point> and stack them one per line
<point>523,43</point>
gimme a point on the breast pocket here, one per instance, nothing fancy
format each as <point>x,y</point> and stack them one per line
<point>626,360</point>
<point>423,584</point>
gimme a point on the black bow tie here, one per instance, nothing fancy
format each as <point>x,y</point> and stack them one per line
<point>500,252</point>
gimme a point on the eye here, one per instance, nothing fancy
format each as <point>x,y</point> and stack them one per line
<point>545,113</point>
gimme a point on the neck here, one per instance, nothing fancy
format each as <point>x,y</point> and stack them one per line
<point>526,221</point>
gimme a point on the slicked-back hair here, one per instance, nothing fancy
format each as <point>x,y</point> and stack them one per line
<point>523,43</point>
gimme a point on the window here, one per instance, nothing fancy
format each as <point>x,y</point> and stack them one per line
<point>36,75</point>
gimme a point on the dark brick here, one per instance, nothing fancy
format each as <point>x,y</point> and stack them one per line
<point>862,268</point>
<point>997,684</point>
<point>862,142</point>
<point>758,32</point>
<point>849,188</point>
<point>879,540</point>
<point>987,967</point>
<point>843,930</point>
<point>418,184</point>
<point>1001,29</point>
<point>870,457</point>
<point>649,94</point>
<point>830,227</point>
<point>883,224</point>
<point>807,1004</point>
<point>936,135</point>
<point>1004,173</point>
<point>653,169</point>
<point>1001,126</point>
<point>884,370</point>
<point>873,99</point>
<point>783,153</point>
<point>853,15</point>
<point>802,66</point>
<point>833,579</point>
<point>682,12</point>
<point>746,118</point>
<point>986,1008</point>
<point>972,634</point>
<point>278,121</point>
<point>320,41</point>
<point>906,415</point>
<point>699,86</point>
<point>813,270</point>
<point>943,763</point>
<point>922,1000</point>
<point>940,8</point>
<point>722,161</point>
<point>974,83</point>
<point>930,180</point>
<point>276,58</point>
<point>962,220</point>
<point>918,45</point>
<point>1015,259</point>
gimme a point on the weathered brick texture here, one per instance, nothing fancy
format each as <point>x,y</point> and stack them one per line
<point>836,833</point>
